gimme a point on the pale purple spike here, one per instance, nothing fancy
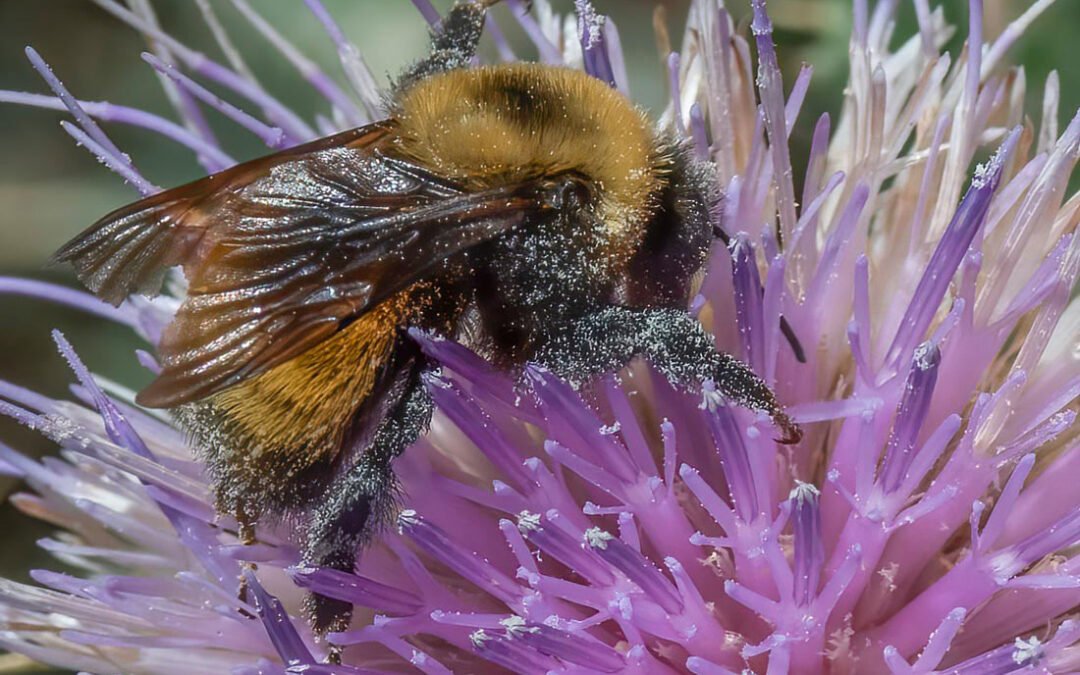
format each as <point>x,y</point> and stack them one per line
<point>549,53</point>
<point>184,104</point>
<point>717,507</point>
<point>636,568</point>
<point>927,185</point>
<point>748,301</point>
<point>738,469</point>
<point>279,114</point>
<point>839,238</point>
<point>428,11</point>
<point>124,170</point>
<point>930,453</point>
<point>124,115</point>
<point>594,47</point>
<point>673,64</point>
<point>352,62</point>
<point>491,27</point>
<point>115,425</point>
<point>796,97</point>
<point>969,217</point>
<point>815,163</point>
<point>771,90</point>
<point>434,541</point>
<point>567,647</point>
<point>576,427</point>
<point>698,132</point>
<point>910,414</point>
<point>69,297</point>
<point>884,12</point>
<point>279,626</point>
<point>1062,534</point>
<point>480,429</point>
<point>629,427</point>
<point>495,387</point>
<point>512,654</point>
<point>356,589</point>
<point>546,533</point>
<point>859,29</point>
<point>938,644</point>
<point>973,72</point>
<point>272,136</point>
<point>700,666</point>
<point>926,27</point>
<point>809,546</point>
<point>303,65</point>
<point>84,120</point>
<point>617,57</point>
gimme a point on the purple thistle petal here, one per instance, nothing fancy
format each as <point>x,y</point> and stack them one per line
<point>352,62</point>
<point>356,589</point>
<point>86,122</point>
<point>303,65</point>
<point>809,546</point>
<point>549,53</point>
<point>125,171</point>
<point>969,217</point>
<point>428,11</point>
<point>117,113</point>
<point>616,56</point>
<point>636,568</point>
<point>278,113</point>
<point>748,297</point>
<point>279,627</point>
<point>910,415</point>
<point>772,103</point>
<point>594,46</point>
<point>272,136</point>
<point>436,543</point>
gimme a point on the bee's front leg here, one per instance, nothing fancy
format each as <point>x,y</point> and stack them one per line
<point>676,345</point>
<point>355,507</point>
<point>453,42</point>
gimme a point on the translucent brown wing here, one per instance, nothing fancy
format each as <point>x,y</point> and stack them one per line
<point>282,251</point>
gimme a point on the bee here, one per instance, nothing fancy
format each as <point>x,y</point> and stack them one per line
<point>529,211</point>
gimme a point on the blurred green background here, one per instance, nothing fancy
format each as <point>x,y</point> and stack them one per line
<point>50,189</point>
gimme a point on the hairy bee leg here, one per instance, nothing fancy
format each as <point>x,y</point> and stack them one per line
<point>453,42</point>
<point>674,342</point>
<point>361,502</point>
<point>245,532</point>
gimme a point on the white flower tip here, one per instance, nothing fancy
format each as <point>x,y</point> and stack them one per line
<point>803,492</point>
<point>1027,652</point>
<point>407,519</point>
<point>528,522</point>
<point>597,538</point>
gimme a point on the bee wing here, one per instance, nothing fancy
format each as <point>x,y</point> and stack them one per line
<point>283,251</point>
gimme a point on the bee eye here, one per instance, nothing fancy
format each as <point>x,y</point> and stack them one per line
<point>569,193</point>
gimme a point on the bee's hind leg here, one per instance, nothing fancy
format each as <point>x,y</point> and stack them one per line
<point>355,507</point>
<point>245,532</point>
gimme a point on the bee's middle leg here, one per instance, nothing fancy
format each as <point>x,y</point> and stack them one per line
<point>355,507</point>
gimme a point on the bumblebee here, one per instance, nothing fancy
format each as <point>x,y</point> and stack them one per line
<point>529,211</point>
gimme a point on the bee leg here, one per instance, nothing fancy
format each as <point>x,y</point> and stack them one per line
<point>245,532</point>
<point>676,345</point>
<point>453,42</point>
<point>361,502</point>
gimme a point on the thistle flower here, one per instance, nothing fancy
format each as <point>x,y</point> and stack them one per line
<point>927,523</point>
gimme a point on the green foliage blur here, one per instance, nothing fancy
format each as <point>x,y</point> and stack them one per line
<point>50,189</point>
